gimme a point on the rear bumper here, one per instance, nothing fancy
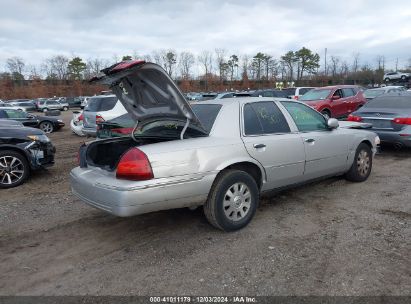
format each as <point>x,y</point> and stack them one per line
<point>395,137</point>
<point>89,131</point>
<point>126,198</point>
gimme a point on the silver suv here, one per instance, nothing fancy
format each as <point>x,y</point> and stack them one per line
<point>396,76</point>
<point>51,104</point>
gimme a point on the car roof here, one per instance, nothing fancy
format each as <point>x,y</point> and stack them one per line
<point>337,86</point>
<point>241,100</point>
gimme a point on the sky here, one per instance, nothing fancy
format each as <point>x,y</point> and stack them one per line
<point>38,29</point>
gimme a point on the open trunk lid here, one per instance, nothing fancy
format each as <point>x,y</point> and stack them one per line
<point>147,92</point>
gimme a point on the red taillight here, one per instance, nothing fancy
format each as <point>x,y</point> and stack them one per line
<point>134,165</point>
<point>125,65</point>
<point>99,118</point>
<point>81,117</point>
<point>296,97</point>
<point>402,120</point>
<point>354,118</point>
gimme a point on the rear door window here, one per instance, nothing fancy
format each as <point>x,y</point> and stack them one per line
<point>264,118</point>
<point>348,92</point>
<point>305,118</point>
<point>100,104</point>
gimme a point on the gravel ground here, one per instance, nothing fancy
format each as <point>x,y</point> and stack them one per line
<point>328,238</point>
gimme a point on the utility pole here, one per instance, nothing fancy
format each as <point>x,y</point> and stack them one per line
<point>325,62</point>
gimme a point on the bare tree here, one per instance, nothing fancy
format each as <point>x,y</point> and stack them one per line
<point>356,62</point>
<point>380,62</point>
<point>222,66</point>
<point>335,62</point>
<point>206,60</point>
<point>169,59</point>
<point>186,62</point>
<point>16,66</point>
<point>56,67</point>
<point>244,65</point>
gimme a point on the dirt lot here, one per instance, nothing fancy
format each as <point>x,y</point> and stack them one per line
<point>328,238</point>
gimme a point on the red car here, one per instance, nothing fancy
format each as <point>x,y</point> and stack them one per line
<point>335,101</point>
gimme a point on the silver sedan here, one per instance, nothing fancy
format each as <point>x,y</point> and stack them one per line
<point>218,154</point>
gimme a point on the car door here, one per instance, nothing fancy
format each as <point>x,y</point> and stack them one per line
<point>338,106</point>
<point>326,150</point>
<point>269,139</point>
<point>350,100</point>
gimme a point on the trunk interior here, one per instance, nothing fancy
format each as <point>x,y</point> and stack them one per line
<point>107,153</point>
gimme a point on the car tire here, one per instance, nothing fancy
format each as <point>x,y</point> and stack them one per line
<point>326,114</point>
<point>65,108</point>
<point>403,77</point>
<point>15,175</point>
<point>45,110</point>
<point>46,126</point>
<point>232,201</point>
<point>387,79</point>
<point>362,164</point>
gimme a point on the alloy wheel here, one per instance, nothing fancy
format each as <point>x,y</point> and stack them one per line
<point>46,127</point>
<point>11,170</point>
<point>363,163</point>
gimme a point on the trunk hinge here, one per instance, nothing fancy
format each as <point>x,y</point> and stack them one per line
<point>134,130</point>
<point>185,128</point>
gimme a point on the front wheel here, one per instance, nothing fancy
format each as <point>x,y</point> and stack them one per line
<point>14,169</point>
<point>65,108</point>
<point>361,167</point>
<point>387,79</point>
<point>232,201</point>
<point>46,126</point>
<point>403,77</point>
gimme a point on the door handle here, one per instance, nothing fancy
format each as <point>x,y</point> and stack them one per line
<point>309,140</point>
<point>259,146</point>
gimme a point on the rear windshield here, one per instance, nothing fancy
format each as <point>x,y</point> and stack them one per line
<point>373,93</point>
<point>289,91</point>
<point>393,102</point>
<point>206,113</point>
<point>315,95</point>
<point>100,104</point>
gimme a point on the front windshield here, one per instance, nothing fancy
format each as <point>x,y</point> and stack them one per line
<point>315,95</point>
<point>373,93</point>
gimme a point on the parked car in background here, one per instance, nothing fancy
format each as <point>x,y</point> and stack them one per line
<point>208,96</point>
<point>15,107</point>
<point>261,93</point>
<point>372,93</point>
<point>22,150</point>
<point>219,154</point>
<point>390,116</point>
<point>72,102</point>
<point>84,100</point>
<point>295,93</point>
<point>118,127</point>
<point>76,123</point>
<point>98,109</point>
<point>46,123</point>
<point>51,104</point>
<point>335,101</point>
<point>25,105</point>
<point>396,76</point>
<point>225,95</point>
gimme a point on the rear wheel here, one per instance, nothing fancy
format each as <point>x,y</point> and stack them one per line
<point>65,108</point>
<point>232,201</point>
<point>403,77</point>
<point>45,110</point>
<point>14,169</point>
<point>362,165</point>
<point>46,126</point>
<point>387,79</point>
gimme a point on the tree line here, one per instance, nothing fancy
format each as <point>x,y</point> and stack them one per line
<point>213,70</point>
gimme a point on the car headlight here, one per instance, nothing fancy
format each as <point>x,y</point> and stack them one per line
<point>40,138</point>
<point>59,120</point>
<point>377,140</point>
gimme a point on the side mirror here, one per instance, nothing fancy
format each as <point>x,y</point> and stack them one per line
<point>332,123</point>
<point>335,97</point>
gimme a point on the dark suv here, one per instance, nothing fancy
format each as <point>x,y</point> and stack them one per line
<point>335,101</point>
<point>22,150</point>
